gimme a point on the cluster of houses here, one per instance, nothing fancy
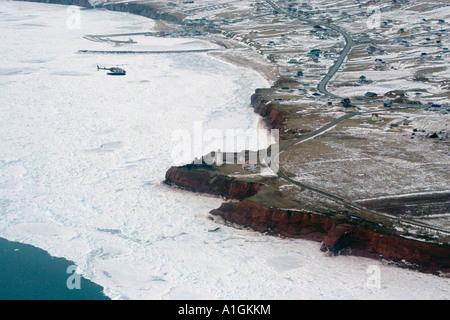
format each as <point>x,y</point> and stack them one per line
<point>302,68</point>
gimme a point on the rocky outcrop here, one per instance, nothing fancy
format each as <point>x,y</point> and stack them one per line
<point>339,238</point>
<point>275,221</point>
<point>192,179</point>
<point>336,235</point>
<point>423,256</point>
<point>268,110</point>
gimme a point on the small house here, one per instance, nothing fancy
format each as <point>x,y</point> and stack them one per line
<point>371,95</point>
<point>387,103</point>
<point>379,64</point>
<point>346,103</point>
<point>318,28</point>
<point>405,125</point>
<point>375,118</point>
<point>248,166</point>
<point>394,127</point>
<point>315,53</point>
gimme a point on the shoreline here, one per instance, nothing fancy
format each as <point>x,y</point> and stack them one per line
<point>340,231</point>
<point>246,58</point>
<point>31,273</point>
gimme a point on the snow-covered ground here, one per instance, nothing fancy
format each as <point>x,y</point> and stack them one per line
<point>82,157</point>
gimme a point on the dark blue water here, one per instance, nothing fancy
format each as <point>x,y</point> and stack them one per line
<point>29,273</point>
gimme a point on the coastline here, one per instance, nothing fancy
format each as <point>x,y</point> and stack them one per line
<point>245,58</point>
<point>30,273</point>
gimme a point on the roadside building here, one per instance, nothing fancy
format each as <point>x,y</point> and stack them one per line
<point>371,95</point>
<point>394,127</point>
<point>376,118</point>
<point>387,103</point>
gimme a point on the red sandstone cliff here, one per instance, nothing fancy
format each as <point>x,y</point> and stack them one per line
<point>275,221</point>
<point>339,239</point>
<point>268,110</point>
<point>202,181</point>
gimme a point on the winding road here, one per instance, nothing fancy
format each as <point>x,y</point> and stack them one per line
<point>349,44</point>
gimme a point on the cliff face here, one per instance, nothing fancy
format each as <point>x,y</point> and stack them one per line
<point>275,221</point>
<point>338,239</point>
<point>413,254</point>
<point>268,110</point>
<point>335,236</point>
<point>204,182</point>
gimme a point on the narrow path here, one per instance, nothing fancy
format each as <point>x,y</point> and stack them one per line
<point>318,131</point>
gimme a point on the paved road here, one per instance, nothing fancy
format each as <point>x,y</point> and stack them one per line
<point>349,44</point>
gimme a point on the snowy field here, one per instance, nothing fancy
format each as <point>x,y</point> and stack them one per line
<point>82,157</point>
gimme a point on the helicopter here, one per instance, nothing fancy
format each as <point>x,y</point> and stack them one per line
<point>113,71</point>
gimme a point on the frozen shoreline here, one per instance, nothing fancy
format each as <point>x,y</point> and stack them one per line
<point>23,265</point>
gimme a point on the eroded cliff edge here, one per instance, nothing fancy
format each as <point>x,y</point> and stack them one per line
<point>337,231</point>
<point>341,230</point>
